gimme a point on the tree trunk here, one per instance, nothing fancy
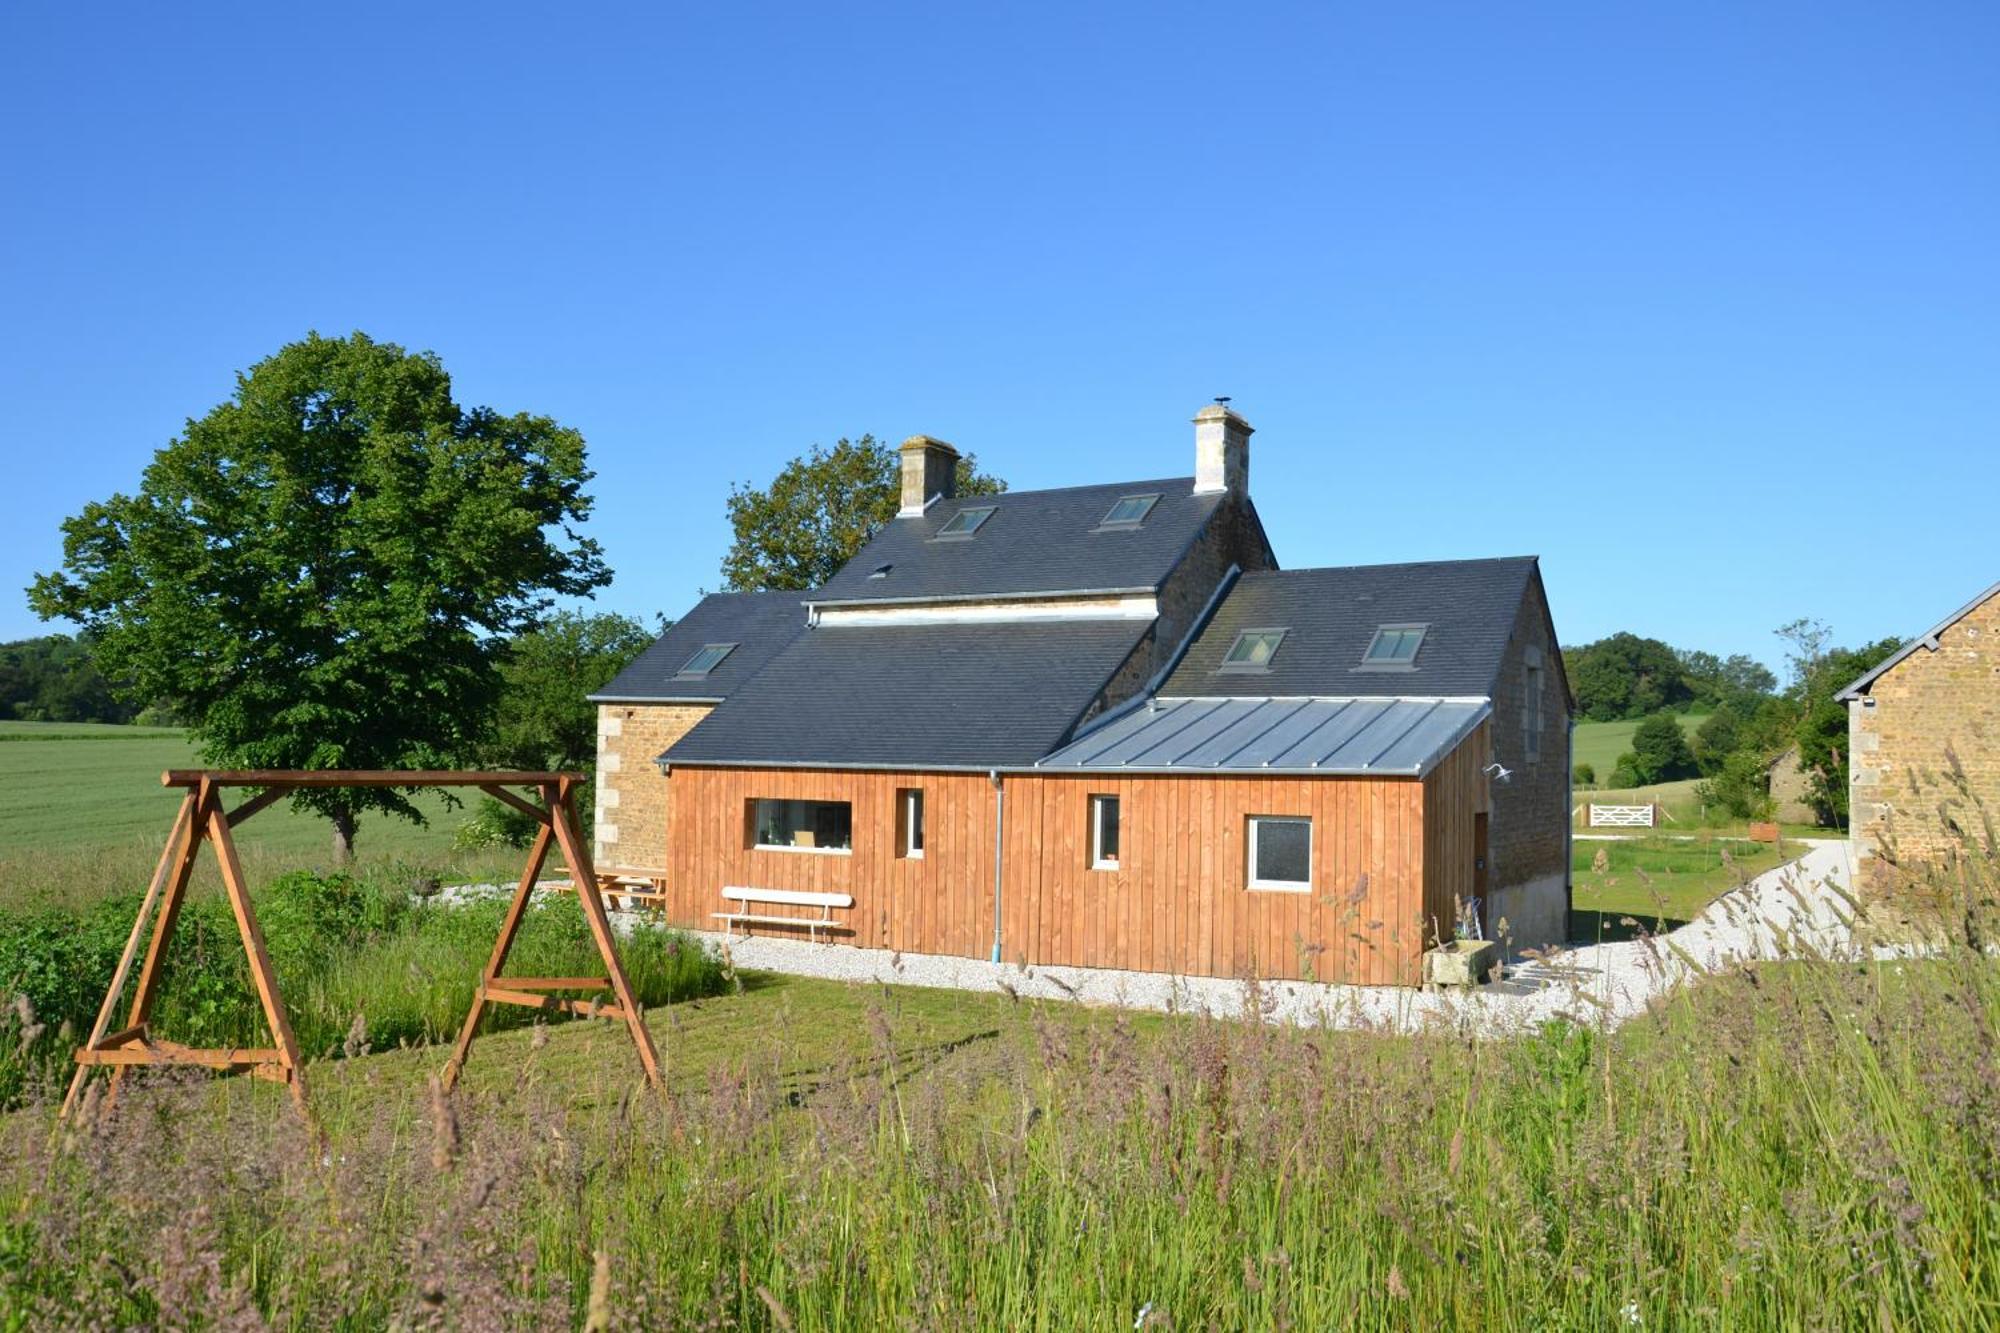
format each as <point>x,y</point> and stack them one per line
<point>343,836</point>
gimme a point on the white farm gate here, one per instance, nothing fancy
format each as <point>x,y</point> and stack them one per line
<point>1623,816</point>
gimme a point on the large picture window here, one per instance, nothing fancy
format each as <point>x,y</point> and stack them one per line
<point>1280,852</point>
<point>802,826</point>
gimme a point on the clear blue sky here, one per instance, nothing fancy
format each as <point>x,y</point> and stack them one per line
<point>1701,303</point>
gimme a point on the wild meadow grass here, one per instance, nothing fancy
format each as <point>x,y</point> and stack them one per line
<point>1807,1144</point>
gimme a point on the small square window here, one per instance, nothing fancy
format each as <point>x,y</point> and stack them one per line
<point>1394,646</point>
<point>1253,650</point>
<point>1280,853</point>
<point>1130,511</point>
<point>1104,833</point>
<point>707,659</point>
<point>966,521</point>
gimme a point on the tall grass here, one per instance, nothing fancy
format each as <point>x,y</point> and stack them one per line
<point>1798,1145</point>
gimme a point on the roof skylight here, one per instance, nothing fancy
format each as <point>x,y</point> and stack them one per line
<point>880,571</point>
<point>1130,511</point>
<point>966,521</point>
<point>1394,646</point>
<point>707,659</point>
<point>1253,650</point>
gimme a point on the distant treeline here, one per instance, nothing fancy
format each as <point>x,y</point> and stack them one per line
<point>53,679</point>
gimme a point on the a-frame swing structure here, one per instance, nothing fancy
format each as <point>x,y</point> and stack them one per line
<point>202,819</point>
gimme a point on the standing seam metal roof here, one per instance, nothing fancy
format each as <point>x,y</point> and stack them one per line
<point>1320,736</point>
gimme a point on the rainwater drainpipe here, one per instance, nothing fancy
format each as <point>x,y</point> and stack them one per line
<point>999,828</point>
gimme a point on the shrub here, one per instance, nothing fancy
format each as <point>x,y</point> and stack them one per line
<point>1739,790</point>
<point>1584,774</point>
<point>1660,752</point>
<point>495,824</point>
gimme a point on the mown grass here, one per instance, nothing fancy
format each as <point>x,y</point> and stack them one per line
<point>1664,879</point>
<point>1599,744</point>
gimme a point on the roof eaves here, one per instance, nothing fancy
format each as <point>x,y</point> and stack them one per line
<point>1928,639</point>
<point>948,598</point>
<point>652,698</point>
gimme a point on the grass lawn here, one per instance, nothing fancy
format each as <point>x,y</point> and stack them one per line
<point>82,810</point>
<point>1600,743</point>
<point>1660,879</point>
<point>856,1156</point>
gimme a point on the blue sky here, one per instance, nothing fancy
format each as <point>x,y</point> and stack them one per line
<point>1701,303</point>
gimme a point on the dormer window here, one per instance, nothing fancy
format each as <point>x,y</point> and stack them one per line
<point>1394,647</point>
<point>1130,511</point>
<point>1253,650</point>
<point>708,659</point>
<point>965,522</point>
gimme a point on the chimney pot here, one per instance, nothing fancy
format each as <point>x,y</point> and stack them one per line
<point>1221,451</point>
<point>930,468</point>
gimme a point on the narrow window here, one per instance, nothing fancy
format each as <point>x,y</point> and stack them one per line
<point>910,822</point>
<point>707,659</point>
<point>966,521</point>
<point>1280,852</point>
<point>1104,833</point>
<point>802,826</point>
<point>1531,706</point>
<point>1394,646</point>
<point>1253,650</point>
<point>1130,511</point>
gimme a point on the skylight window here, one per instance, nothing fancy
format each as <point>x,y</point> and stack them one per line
<point>1130,511</point>
<point>966,521</point>
<point>880,571</point>
<point>1394,646</point>
<point>708,659</point>
<point>1253,650</point>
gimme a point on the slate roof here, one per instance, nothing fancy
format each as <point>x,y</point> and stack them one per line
<point>1331,616</point>
<point>1321,737</point>
<point>915,696</point>
<point>1035,542</point>
<point>1928,639</point>
<point>760,624</point>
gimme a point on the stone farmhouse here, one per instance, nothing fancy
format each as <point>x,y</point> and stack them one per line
<point>1923,734</point>
<point>1099,726</point>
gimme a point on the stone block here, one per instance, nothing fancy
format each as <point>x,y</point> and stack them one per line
<point>1462,963</point>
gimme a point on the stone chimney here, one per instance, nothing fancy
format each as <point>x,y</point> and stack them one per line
<point>930,468</point>
<point>1221,452</point>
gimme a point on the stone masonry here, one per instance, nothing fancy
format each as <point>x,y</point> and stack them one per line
<point>1528,842</point>
<point>1924,766</point>
<point>631,794</point>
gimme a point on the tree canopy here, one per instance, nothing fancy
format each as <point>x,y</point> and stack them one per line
<point>820,510</point>
<point>322,572</point>
<point>1625,676</point>
<point>53,679</point>
<point>545,718</point>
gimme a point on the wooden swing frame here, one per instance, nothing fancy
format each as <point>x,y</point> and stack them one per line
<point>203,819</point>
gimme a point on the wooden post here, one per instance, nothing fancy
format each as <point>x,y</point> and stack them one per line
<point>508,929</point>
<point>570,834</point>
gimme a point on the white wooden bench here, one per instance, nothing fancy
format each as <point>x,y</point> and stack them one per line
<point>753,898</point>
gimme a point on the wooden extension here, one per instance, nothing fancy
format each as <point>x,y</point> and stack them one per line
<point>203,819</point>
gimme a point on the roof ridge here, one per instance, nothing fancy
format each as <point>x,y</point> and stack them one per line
<point>1080,486</point>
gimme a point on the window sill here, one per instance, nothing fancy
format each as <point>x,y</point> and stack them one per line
<point>917,855</point>
<point>1104,865</point>
<point>803,851</point>
<point>1270,886</point>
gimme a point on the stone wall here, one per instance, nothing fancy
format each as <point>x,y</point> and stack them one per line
<point>1906,802</point>
<point>1788,790</point>
<point>631,793</point>
<point>1528,869</point>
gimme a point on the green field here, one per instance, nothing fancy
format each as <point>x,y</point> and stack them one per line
<point>1661,880</point>
<point>82,813</point>
<point>1600,743</point>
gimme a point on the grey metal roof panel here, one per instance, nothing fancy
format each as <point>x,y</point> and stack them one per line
<point>1327,737</point>
<point>1331,615</point>
<point>760,624</point>
<point>1928,639</point>
<point>1035,542</point>
<point>915,696</point>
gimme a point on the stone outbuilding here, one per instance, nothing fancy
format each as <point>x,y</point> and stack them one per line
<point>1788,782</point>
<point>1924,745</point>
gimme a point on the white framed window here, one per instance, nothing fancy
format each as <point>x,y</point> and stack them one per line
<point>1393,648</point>
<point>910,822</point>
<point>801,826</point>
<point>1281,852</point>
<point>1104,833</point>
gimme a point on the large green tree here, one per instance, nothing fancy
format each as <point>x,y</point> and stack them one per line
<point>1822,724</point>
<point>819,511</point>
<point>545,718</point>
<point>324,571</point>
<point>1625,676</point>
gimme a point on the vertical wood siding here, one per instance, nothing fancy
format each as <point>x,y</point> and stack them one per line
<point>1388,854</point>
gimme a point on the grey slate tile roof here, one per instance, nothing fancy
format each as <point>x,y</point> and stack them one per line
<point>1321,737</point>
<point>1035,542</point>
<point>915,696</point>
<point>1928,639</point>
<point>760,624</point>
<point>1331,615</point>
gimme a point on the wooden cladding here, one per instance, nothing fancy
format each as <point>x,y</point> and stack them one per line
<point>1387,858</point>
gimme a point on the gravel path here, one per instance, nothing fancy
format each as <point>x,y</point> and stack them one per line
<point>1796,910</point>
